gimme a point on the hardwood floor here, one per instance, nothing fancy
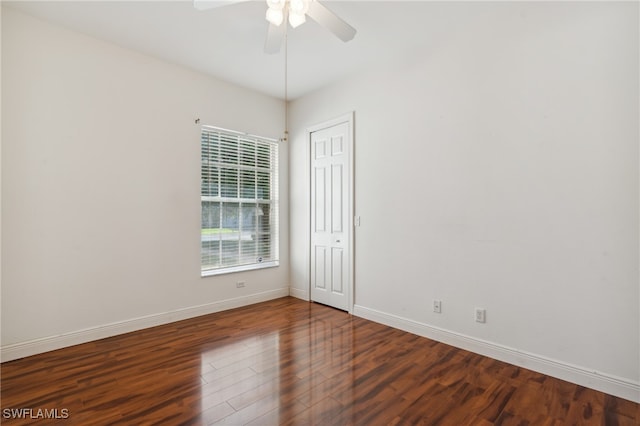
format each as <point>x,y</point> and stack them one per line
<point>290,362</point>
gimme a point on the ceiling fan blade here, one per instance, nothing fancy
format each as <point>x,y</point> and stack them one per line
<point>275,35</point>
<point>212,4</point>
<point>323,16</point>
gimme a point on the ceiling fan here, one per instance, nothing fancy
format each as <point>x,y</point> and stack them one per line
<point>295,11</point>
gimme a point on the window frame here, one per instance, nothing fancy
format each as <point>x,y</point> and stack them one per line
<point>240,166</point>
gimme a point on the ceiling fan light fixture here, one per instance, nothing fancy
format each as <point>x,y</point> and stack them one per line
<point>296,19</point>
<point>276,4</point>
<point>299,6</point>
<point>275,16</point>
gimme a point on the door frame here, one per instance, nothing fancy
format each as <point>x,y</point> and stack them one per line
<point>348,118</point>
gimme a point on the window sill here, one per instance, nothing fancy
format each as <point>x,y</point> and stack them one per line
<point>233,269</point>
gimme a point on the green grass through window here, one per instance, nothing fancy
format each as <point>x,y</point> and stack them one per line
<point>216,231</point>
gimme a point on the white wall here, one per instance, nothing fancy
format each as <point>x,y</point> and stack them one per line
<point>499,171</point>
<point>100,188</point>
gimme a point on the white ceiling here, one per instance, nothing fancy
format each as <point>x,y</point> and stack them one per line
<point>228,42</point>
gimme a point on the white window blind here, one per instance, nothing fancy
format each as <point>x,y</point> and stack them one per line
<point>239,201</point>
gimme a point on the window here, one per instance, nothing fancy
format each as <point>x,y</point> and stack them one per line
<point>239,199</point>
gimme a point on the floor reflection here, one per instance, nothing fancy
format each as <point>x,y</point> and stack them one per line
<point>276,377</point>
<point>240,379</point>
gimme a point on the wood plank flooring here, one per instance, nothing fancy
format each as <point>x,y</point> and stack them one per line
<point>289,362</point>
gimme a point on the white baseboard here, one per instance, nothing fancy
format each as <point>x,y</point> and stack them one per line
<point>298,293</point>
<point>612,385</point>
<point>46,344</point>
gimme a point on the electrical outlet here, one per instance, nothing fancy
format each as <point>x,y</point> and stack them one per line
<point>481,315</point>
<point>240,284</point>
<point>437,306</point>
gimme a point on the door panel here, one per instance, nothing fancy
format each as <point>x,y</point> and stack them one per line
<point>337,210</point>
<point>337,269</point>
<point>321,267</point>
<point>320,200</point>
